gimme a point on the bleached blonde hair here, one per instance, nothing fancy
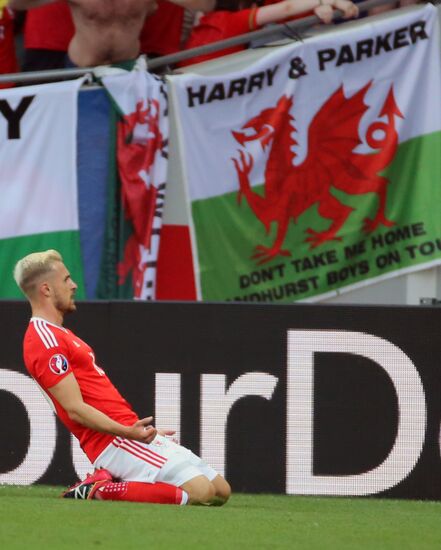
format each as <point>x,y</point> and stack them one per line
<point>29,269</point>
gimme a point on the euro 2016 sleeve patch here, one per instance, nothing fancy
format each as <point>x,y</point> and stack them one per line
<point>58,364</point>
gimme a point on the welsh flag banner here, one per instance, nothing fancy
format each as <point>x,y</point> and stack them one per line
<point>317,169</point>
<point>38,178</point>
<point>136,196</point>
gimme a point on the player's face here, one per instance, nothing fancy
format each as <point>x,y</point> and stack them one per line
<point>63,289</point>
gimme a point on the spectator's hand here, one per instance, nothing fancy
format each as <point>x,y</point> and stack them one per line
<point>348,8</point>
<point>142,430</point>
<point>327,7</point>
<point>324,13</point>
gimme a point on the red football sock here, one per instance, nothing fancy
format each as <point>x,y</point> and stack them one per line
<point>136,491</point>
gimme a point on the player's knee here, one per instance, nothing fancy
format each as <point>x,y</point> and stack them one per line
<point>206,493</point>
<point>223,490</point>
<point>201,491</point>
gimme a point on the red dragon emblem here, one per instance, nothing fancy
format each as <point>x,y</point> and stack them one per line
<point>289,190</point>
<point>138,140</point>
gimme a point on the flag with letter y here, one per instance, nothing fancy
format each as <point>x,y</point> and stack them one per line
<point>38,177</point>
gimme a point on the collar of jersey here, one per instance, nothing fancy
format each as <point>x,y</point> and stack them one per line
<point>47,322</point>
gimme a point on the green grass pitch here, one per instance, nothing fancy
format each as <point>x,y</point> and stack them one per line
<point>35,518</point>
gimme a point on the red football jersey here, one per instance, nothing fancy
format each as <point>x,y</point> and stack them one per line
<point>161,33</point>
<point>220,25</point>
<point>49,27</point>
<point>52,352</point>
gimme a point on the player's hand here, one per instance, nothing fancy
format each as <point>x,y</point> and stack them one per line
<point>143,431</point>
<point>169,434</point>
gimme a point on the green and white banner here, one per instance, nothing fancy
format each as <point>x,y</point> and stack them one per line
<point>38,177</point>
<point>316,169</point>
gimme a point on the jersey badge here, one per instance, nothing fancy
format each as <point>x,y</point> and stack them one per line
<point>58,364</point>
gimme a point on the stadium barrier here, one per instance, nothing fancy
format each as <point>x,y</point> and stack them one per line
<point>301,399</point>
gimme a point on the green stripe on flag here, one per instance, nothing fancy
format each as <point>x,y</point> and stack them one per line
<point>227,233</point>
<point>66,242</point>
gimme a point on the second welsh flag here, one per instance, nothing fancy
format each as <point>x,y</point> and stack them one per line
<point>136,204</point>
<point>316,169</point>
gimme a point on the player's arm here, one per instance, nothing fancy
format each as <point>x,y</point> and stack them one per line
<point>280,11</point>
<point>196,5</point>
<point>68,394</point>
<point>27,4</point>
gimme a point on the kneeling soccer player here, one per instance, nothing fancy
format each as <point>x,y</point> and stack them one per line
<point>132,460</point>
